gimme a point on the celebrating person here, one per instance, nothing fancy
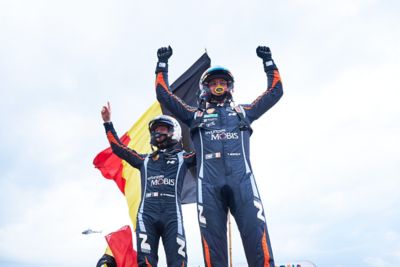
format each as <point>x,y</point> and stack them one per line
<point>220,131</point>
<point>162,173</point>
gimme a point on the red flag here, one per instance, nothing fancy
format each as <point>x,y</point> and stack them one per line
<point>110,165</point>
<point>120,243</point>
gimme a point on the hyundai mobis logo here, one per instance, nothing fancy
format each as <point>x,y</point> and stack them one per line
<point>222,134</point>
<point>160,180</point>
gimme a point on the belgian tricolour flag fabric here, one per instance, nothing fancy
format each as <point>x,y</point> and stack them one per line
<point>125,176</point>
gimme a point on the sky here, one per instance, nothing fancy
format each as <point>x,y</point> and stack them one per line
<point>326,158</point>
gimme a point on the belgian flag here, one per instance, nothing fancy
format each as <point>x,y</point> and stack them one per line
<point>125,176</point>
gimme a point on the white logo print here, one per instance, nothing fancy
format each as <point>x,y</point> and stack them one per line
<point>202,219</point>
<point>182,245</point>
<point>144,246</point>
<point>161,180</point>
<point>222,135</point>
<point>259,206</point>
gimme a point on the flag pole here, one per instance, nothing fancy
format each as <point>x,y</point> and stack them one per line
<point>230,238</point>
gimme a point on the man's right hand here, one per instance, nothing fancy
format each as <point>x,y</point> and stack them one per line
<point>164,53</point>
<point>106,113</point>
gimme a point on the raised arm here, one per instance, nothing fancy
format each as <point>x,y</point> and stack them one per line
<point>165,96</point>
<point>274,89</point>
<point>118,148</point>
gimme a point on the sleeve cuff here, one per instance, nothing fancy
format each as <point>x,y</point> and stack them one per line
<point>108,125</point>
<point>161,67</point>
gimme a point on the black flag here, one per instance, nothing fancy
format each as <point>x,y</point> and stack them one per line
<point>186,88</point>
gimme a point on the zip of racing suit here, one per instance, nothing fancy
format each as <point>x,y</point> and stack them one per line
<point>160,213</point>
<point>225,177</point>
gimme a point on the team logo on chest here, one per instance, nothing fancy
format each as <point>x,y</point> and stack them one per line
<point>171,160</point>
<point>161,180</point>
<point>222,134</point>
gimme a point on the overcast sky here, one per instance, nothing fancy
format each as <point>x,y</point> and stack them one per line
<point>326,157</point>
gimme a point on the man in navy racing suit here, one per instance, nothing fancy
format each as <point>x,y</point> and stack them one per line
<point>220,132</point>
<point>162,173</point>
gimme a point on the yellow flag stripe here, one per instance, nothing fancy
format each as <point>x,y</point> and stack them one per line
<point>140,141</point>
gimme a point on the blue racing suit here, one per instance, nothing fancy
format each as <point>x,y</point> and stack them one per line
<point>225,177</point>
<point>160,213</point>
